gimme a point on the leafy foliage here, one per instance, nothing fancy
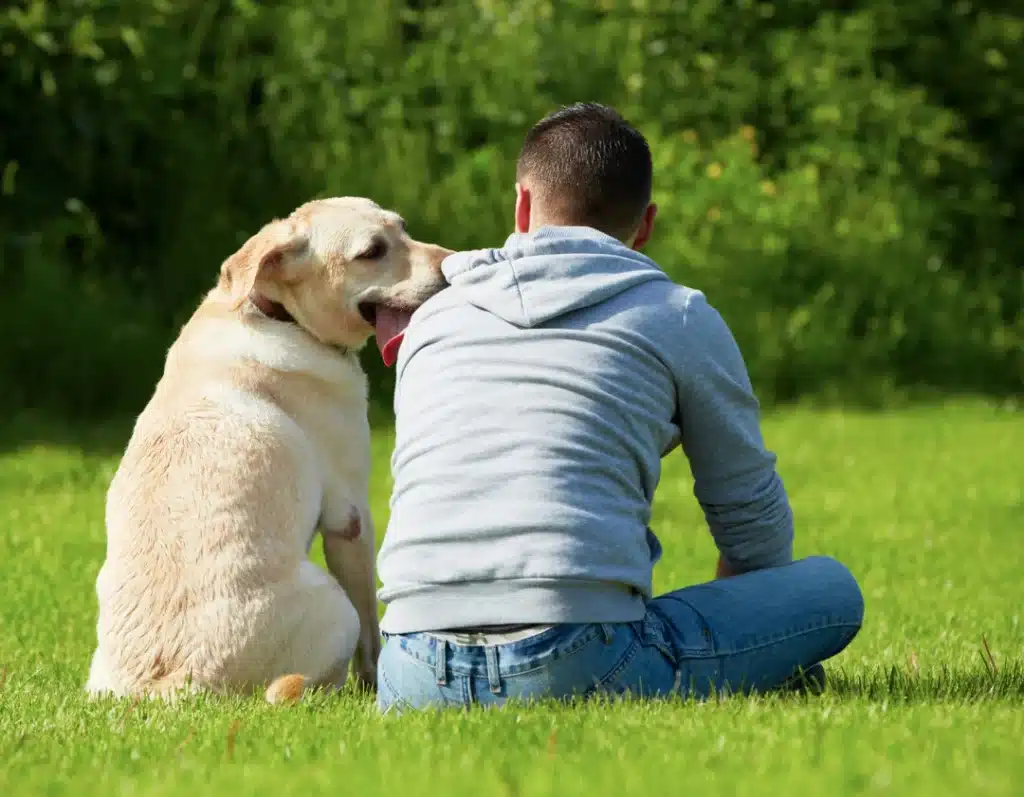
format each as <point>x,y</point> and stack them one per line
<point>842,179</point>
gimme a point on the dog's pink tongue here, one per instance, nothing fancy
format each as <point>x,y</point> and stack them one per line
<point>391,324</point>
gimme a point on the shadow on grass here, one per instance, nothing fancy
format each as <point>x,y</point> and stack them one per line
<point>946,684</point>
<point>67,421</point>
<point>106,436</point>
<point>24,429</point>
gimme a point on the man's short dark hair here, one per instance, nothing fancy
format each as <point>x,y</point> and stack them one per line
<point>589,167</point>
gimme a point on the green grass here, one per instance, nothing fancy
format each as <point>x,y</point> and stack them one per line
<point>924,505</point>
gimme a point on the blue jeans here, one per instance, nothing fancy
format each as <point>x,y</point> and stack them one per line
<point>751,632</point>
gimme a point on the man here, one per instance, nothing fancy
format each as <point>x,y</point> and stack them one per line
<point>535,398</point>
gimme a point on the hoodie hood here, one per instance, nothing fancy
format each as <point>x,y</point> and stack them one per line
<point>538,276</point>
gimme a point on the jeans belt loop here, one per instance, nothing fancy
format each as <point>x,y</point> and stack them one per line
<point>653,624</point>
<point>493,676</point>
<point>441,661</point>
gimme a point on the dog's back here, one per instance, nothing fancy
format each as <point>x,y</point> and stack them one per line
<point>205,520</point>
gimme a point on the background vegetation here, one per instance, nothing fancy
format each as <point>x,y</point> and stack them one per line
<point>845,180</point>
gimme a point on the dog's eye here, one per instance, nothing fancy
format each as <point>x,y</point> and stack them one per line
<point>374,251</point>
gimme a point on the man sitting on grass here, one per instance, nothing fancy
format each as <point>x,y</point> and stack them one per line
<point>535,399</point>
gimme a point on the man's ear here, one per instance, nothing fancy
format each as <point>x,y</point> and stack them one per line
<point>646,228</point>
<point>273,254</point>
<point>523,203</point>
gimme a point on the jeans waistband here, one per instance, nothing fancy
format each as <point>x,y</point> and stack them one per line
<point>489,629</point>
<point>509,658</point>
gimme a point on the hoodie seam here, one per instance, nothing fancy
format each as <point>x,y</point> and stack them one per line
<point>460,265</point>
<point>519,292</point>
<point>678,368</point>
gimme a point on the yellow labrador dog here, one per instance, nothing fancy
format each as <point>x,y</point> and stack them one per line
<point>256,438</point>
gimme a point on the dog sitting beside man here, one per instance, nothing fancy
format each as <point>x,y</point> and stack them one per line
<point>535,398</point>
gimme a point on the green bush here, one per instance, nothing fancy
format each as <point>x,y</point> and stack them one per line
<point>844,190</point>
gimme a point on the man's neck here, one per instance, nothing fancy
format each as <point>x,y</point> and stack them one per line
<point>541,221</point>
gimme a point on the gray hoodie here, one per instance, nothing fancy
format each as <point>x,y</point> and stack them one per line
<point>535,399</point>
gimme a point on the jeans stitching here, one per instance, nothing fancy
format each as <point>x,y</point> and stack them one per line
<point>396,699</point>
<point>653,608</point>
<point>424,662</point>
<point>652,634</point>
<point>773,641</point>
<point>648,639</point>
<point>620,666</point>
<point>592,633</point>
<point>403,647</point>
<point>675,651</point>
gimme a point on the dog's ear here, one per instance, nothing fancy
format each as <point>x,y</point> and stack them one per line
<point>275,253</point>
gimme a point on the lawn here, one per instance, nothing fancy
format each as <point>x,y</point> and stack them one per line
<point>925,506</point>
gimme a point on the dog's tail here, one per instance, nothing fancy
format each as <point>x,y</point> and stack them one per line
<point>286,689</point>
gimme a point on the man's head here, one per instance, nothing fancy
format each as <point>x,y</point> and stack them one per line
<point>584,165</point>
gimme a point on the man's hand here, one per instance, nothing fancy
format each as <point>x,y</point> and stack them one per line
<point>724,569</point>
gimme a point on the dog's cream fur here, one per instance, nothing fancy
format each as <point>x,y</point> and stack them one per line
<point>256,437</point>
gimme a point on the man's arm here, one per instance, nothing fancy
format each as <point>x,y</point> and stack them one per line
<point>742,496</point>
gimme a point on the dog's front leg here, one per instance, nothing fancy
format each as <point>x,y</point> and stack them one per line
<point>350,554</point>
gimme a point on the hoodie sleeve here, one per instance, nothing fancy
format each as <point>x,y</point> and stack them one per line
<point>735,480</point>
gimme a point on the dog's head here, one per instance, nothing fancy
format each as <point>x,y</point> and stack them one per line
<point>343,268</point>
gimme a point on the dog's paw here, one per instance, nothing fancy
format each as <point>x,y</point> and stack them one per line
<point>286,689</point>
